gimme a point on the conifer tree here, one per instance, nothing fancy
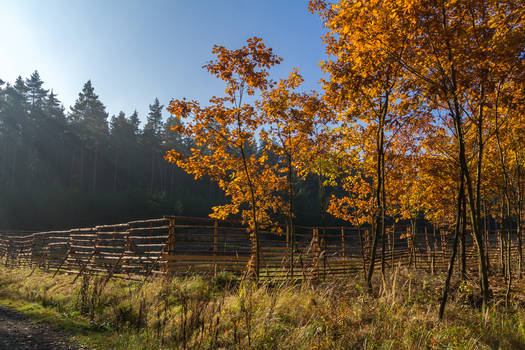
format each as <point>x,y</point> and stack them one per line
<point>90,118</point>
<point>152,138</point>
<point>35,92</point>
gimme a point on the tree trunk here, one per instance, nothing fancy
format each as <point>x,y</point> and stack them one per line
<point>255,229</point>
<point>460,209</point>
<point>518,223</point>
<point>82,156</point>
<point>152,174</point>
<point>115,170</point>
<point>502,244</point>
<point>380,179</point>
<point>379,215</point>
<point>463,234</point>
<point>12,176</point>
<point>291,226</point>
<point>509,251</point>
<point>450,86</point>
<point>95,161</point>
<point>482,267</point>
<point>383,210</point>
<point>487,239</point>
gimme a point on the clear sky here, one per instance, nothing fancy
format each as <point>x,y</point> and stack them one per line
<point>134,51</point>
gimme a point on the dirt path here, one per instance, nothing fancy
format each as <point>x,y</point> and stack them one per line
<point>17,332</point>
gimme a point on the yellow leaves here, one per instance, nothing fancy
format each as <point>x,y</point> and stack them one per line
<point>225,135</point>
<point>389,71</point>
<point>245,68</point>
<point>173,156</point>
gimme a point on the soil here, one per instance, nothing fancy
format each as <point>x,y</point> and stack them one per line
<point>17,332</point>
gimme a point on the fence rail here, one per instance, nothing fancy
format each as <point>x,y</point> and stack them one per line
<point>186,245</point>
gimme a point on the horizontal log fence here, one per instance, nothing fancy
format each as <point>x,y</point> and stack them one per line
<point>184,245</point>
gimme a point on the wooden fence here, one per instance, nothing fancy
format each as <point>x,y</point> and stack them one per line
<point>185,245</point>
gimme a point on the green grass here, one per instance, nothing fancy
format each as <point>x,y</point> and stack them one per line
<point>194,312</point>
<point>79,329</point>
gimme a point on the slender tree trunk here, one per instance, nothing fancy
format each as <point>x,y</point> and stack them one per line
<point>82,156</point>
<point>505,203</point>
<point>480,146</point>
<point>72,173</point>
<point>413,242</point>
<point>463,234</point>
<point>502,241</point>
<point>255,237</point>
<point>509,249</point>
<point>487,239</point>
<point>379,202</point>
<point>518,222</point>
<point>14,159</point>
<point>152,173</point>
<point>255,229</point>
<point>460,208</point>
<point>95,161</point>
<point>162,179</point>
<point>482,267</point>
<point>322,202</point>
<point>291,226</point>
<point>451,88</point>
<point>434,238</point>
<point>115,170</point>
<point>172,182</point>
<point>4,155</point>
<point>383,210</point>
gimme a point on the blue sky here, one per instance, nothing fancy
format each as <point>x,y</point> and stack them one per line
<point>134,51</point>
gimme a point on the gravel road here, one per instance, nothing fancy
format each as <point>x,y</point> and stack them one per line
<point>17,332</point>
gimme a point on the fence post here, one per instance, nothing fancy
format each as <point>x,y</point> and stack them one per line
<point>7,251</point>
<point>363,258</point>
<point>287,236</point>
<point>433,248</point>
<point>413,241</point>
<point>289,252</point>
<point>45,253</point>
<point>316,250</point>
<point>393,244</point>
<point>343,242</point>
<point>429,259</point>
<point>215,245</point>
<point>171,243</point>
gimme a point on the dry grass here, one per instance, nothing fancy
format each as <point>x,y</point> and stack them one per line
<point>196,313</point>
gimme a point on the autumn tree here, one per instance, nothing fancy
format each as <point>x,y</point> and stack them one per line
<point>450,55</point>
<point>363,79</point>
<point>292,122</point>
<point>505,155</point>
<point>457,51</point>
<point>225,131</point>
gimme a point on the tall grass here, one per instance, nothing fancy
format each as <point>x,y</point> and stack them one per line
<point>199,313</point>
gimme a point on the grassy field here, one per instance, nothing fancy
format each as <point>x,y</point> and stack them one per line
<point>197,313</point>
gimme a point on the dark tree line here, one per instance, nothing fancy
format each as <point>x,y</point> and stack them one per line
<point>79,167</point>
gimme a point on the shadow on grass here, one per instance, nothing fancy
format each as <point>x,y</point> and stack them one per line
<point>70,324</point>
